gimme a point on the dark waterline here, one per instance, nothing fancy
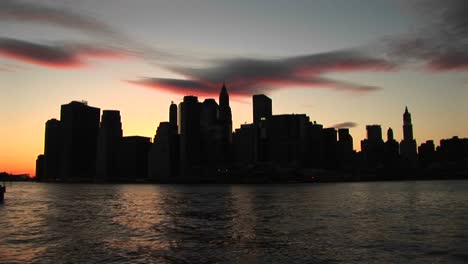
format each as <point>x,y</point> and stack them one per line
<point>372,222</point>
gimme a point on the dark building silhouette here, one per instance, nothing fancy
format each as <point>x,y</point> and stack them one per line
<point>345,149</point>
<point>108,148</point>
<point>287,138</point>
<point>133,158</point>
<point>40,168</point>
<point>190,138</point>
<point>453,152</point>
<point>80,126</point>
<point>163,157</point>
<point>53,149</point>
<point>426,154</point>
<point>244,144</point>
<point>225,129</point>
<point>372,148</point>
<point>262,107</point>
<point>408,144</point>
<point>315,146</point>
<point>391,157</point>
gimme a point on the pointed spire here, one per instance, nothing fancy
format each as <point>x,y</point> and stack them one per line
<point>406,109</point>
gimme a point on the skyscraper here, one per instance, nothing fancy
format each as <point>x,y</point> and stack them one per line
<point>80,126</point>
<point>408,144</point>
<point>262,107</point>
<point>109,140</point>
<point>225,116</point>
<point>189,132</point>
<point>53,148</point>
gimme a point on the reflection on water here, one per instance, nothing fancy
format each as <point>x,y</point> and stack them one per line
<point>417,222</point>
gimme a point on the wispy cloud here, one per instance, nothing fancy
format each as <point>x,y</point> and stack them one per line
<point>54,56</point>
<point>246,76</point>
<point>345,125</point>
<point>442,43</point>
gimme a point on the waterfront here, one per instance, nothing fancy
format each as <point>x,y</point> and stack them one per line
<point>371,222</point>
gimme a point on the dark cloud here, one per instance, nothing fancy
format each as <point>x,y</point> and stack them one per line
<point>249,76</point>
<point>440,45</point>
<point>33,12</point>
<point>345,125</point>
<point>58,56</point>
<point>30,12</point>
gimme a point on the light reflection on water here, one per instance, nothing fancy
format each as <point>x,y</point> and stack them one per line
<point>407,222</point>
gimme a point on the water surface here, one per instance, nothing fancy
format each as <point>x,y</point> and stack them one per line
<point>382,222</point>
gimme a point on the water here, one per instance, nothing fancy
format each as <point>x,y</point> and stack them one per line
<point>385,222</point>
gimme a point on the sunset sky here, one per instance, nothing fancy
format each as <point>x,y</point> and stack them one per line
<point>338,61</point>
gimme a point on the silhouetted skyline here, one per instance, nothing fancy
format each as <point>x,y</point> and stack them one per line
<point>345,63</point>
<point>198,145</point>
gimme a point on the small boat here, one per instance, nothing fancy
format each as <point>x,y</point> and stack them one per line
<point>2,192</point>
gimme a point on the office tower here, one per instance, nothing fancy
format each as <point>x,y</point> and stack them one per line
<point>373,147</point>
<point>225,120</point>
<point>408,144</point>
<point>133,158</point>
<point>314,145</point>
<point>173,115</point>
<point>163,157</point>
<point>53,149</point>
<point>80,126</point>
<point>329,148</point>
<point>287,135</point>
<point>391,150</point>
<point>345,140</point>
<point>262,107</point>
<point>426,154</point>
<point>243,141</point>
<point>345,150</point>
<point>109,139</point>
<point>189,132</point>
<point>40,168</point>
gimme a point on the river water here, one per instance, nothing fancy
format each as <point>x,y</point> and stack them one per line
<point>373,222</point>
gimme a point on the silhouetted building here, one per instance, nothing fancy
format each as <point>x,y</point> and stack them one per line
<point>287,138</point>
<point>190,138</point>
<point>163,157</point>
<point>426,154</point>
<point>214,136</point>
<point>345,148</point>
<point>40,168</point>
<point>372,148</point>
<point>453,152</point>
<point>133,158</point>
<point>109,140</point>
<point>408,144</point>
<point>391,157</point>
<point>262,107</point>
<point>80,125</point>
<point>244,144</point>
<point>173,115</point>
<point>315,146</point>
<point>225,127</point>
<point>53,149</point>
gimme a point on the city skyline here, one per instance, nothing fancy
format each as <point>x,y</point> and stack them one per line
<point>338,63</point>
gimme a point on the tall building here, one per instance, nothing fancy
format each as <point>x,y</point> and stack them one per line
<point>79,126</point>
<point>408,144</point>
<point>345,147</point>
<point>391,150</point>
<point>262,107</point>
<point>53,148</point>
<point>373,147</point>
<point>133,158</point>
<point>225,127</point>
<point>109,140</point>
<point>190,138</point>
<point>163,156</point>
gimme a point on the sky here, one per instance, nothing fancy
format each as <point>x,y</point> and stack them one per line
<point>344,63</point>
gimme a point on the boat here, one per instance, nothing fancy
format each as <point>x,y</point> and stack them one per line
<point>2,192</point>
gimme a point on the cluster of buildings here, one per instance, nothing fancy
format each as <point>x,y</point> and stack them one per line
<point>198,144</point>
